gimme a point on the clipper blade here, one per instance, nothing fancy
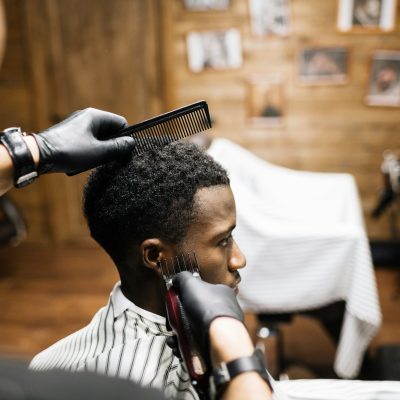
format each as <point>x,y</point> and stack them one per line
<point>182,262</point>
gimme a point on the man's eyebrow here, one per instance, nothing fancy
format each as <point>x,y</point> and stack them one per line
<point>225,232</point>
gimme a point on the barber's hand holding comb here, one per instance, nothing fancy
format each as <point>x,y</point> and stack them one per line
<point>82,141</point>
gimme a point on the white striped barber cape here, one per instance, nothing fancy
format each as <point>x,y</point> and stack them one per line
<point>124,341</point>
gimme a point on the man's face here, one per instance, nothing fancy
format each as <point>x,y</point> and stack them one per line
<point>210,236</point>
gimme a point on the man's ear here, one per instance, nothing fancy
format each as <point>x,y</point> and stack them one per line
<point>153,250</point>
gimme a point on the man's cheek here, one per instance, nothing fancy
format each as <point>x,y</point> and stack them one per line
<point>210,276</point>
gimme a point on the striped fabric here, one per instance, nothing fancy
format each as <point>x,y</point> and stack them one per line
<point>124,341</point>
<point>305,244</point>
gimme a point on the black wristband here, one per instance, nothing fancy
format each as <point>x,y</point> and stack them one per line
<point>24,166</point>
<point>227,371</point>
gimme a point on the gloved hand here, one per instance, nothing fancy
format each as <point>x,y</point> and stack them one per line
<point>80,142</point>
<point>203,302</point>
<point>172,343</point>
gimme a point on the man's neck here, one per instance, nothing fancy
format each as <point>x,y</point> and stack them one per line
<point>148,295</point>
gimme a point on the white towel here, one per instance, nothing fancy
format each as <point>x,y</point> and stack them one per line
<point>333,389</point>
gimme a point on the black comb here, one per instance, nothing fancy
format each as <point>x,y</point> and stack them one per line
<point>169,127</point>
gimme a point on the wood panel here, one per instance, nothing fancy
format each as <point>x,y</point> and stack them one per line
<point>65,55</point>
<point>326,128</point>
<point>124,55</point>
<point>106,57</point>
<point>17,110</point>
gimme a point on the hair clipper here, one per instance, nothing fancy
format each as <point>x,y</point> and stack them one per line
<point>194,361</point>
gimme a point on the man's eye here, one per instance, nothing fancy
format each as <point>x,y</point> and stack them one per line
<point>226,241</point>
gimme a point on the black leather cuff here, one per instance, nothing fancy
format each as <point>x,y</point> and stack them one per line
<point>24,166</point>
<point>227,371</point>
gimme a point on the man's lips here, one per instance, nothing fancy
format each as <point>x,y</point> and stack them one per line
<point>238,279</point>
<point>235,286</point>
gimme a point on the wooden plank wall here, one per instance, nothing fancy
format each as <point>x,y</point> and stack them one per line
<point>135,63</point>
<point>58,60</point>
<point>16,110</point>
<point>326,128</point>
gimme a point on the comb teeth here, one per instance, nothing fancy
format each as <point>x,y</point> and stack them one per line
<point>182,262</point>
<point>169,127</point>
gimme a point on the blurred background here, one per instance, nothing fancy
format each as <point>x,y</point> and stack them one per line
<point>141,58</point>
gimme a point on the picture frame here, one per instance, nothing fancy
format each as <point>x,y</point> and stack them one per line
<point>205,5</point>
<point>384,79</point>
<point>365,16</point>
<point>214,50</point>
<point>270,17</point>
<point>323,65</point>
<point>266,100</point>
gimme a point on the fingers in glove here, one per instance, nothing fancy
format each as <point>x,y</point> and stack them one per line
<point>105,124</point>
<point>172,342</point>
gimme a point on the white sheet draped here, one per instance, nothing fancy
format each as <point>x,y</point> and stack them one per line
<point>305,243</point>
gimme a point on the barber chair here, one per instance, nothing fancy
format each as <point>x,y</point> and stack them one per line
<point>270,341</point>
<point>270,337</point>
<point>388,363</point>
<point>387,253</point>
<point>12,224</point>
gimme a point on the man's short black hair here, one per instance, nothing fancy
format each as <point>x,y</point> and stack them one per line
<point>150,195</point>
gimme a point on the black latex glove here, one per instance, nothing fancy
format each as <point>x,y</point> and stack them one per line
<point>203,302</point>
<point>81,142</point>
<point>172,343</point>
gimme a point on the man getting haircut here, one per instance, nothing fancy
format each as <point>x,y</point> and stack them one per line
<point>151,207</point>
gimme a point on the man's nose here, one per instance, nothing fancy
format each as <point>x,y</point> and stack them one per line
<point>237,259</point>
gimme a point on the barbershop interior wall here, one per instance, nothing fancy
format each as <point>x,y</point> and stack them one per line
<point>130,57</point>
<point>62,56</point>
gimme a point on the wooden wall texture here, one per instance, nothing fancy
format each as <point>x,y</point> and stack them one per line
<point>327,128</point>
<point>130,57</point>
<point>63,56</point>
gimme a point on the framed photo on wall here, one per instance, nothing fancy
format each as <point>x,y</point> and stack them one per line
<point>265,100</point>
<point>214,50</point>
<point>363,16</point>
<point>323,65</point>
<point>204,5</point>
<point>384,80</point>
<point>270,17</point>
